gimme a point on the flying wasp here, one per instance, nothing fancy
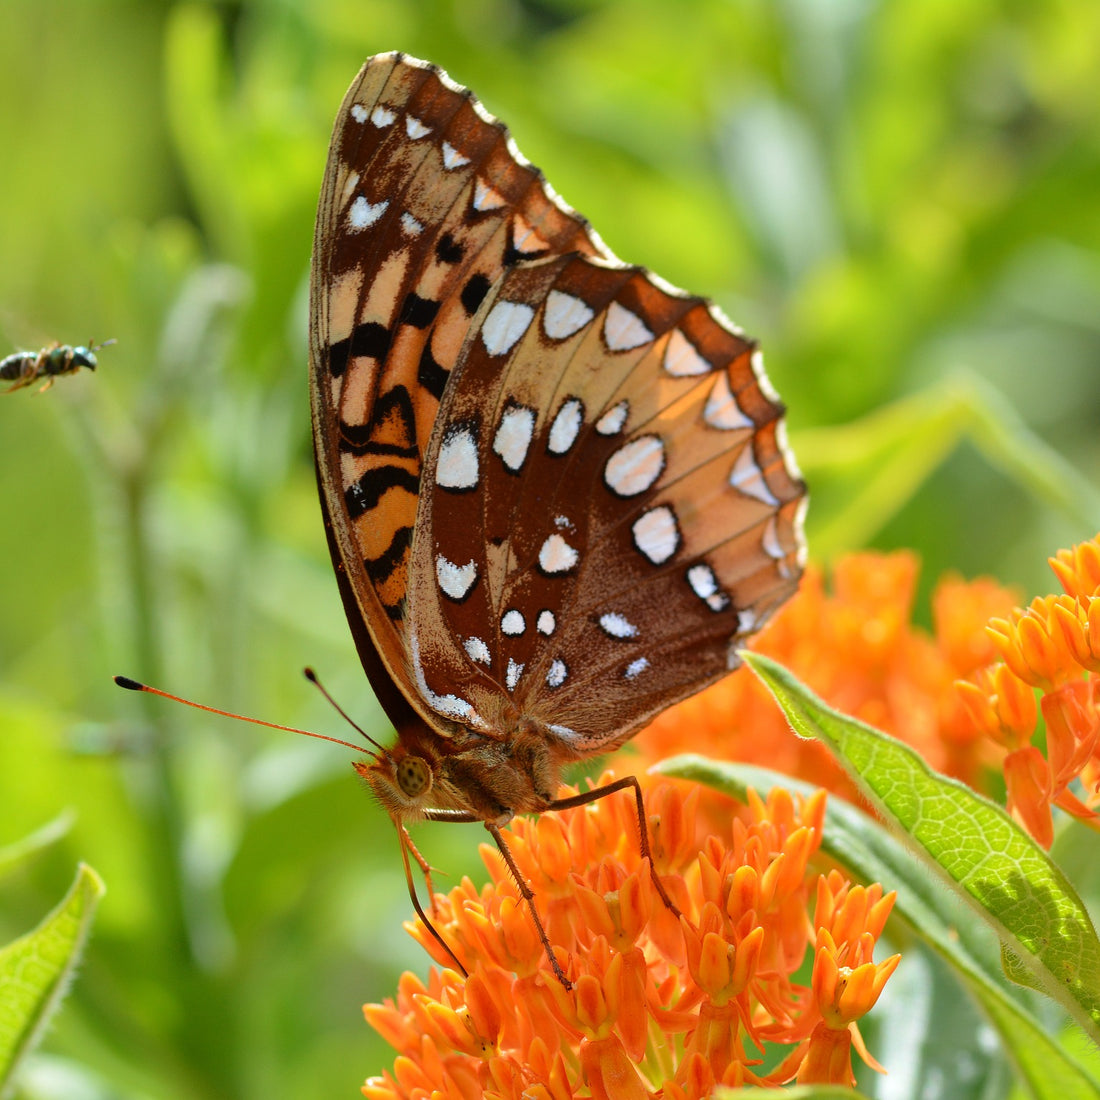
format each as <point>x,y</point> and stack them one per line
<point>25,367</point>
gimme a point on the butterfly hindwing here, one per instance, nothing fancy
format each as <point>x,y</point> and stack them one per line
<point>610,508</point>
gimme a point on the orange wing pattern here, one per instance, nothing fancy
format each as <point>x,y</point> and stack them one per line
<point>425,203</point>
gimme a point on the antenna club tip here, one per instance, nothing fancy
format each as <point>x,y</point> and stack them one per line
<point>309,674</point>
<point>128,684</point>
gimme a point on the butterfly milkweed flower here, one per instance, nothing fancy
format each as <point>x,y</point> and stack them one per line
<point>659,1005</point>
<point>853,643</point>
<point>1051,647</point>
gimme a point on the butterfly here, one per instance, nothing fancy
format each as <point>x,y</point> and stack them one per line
<point>557,491</point>
<point>25,367</point>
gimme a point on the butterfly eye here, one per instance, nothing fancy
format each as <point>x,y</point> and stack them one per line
<point>414,777</point>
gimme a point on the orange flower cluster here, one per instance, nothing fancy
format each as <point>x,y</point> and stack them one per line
<point>857,647</point>
<point>660,1005</point>
<point>1053,645</point>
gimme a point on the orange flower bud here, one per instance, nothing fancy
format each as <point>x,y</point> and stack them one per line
<point>1015,706</point>
<point>1078,569</point>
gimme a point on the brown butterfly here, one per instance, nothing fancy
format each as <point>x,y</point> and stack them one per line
<point>557,491</point>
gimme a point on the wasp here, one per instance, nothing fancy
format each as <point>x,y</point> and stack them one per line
<point>24,367</point>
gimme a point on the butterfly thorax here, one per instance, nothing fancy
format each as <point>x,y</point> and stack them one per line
<point>490,778</point>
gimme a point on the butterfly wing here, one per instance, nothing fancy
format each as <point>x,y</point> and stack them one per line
<point>609,508</point>
<point>425,203</point>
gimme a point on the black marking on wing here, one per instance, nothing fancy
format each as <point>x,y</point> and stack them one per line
<point>369,338</point>
<point>365,493</point>
<point>431,375</point>
<point>418,312</point>
<point>379,568</point>
<point>448,250</point>
<point>512,255</point>
<point>357,438</point>
<point>473,293</point>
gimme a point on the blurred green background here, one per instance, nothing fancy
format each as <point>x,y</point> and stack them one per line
<point>900,199</point>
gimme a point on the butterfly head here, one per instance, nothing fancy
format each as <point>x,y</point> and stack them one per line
<point>403,777</point>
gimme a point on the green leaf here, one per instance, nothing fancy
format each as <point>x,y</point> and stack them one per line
<point>36,968</point>
<point>13,856</point>
<point>868,852</point>
<point>973,845</point>
<point>889,454</point>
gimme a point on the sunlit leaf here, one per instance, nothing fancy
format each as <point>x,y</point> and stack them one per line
<point>974,845</point>
<point>35,970</point>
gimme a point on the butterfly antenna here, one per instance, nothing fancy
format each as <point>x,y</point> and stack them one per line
<point>135,685</point>
<point>311,676</point>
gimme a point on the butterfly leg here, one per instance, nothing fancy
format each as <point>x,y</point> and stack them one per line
<point>529,897</point>
<point>423,864</point>
<point>643,829</point>
<point>406,846</point>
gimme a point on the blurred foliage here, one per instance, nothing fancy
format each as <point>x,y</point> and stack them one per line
<point>887,194</point>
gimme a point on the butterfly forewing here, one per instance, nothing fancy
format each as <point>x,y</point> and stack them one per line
<point>610,508</point>
<point>425,203</point>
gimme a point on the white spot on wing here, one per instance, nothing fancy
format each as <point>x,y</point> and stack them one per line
<point>514,433</point>
<point>546,623</point>
<point>557,556</point>
<point>564,315</point>
<point>477,650</point>
<point>762,379</point>
<point>524,237</point>
<point>457,467</point>
<point>381,117</point>
<point>513,623</point>
<point>746,477</point>
<point>617,626</point>
<point>564,733</point>
<point>350,184</point>
<point>566,426</point>
<point>512,675</point>
<point>557,674</point>
<point>362,214</point>
<point>656,534</point>
<point>635,466</point>
<point>635,668</point>
<point>452,158</point>
<point>506,323</point>
<point>415,128</point>
<point>705,585</point>
<point>612,421</point>
<point>772,546</point>
<point>486,197</point>
<point>789,461</point>
<point>722,410</point>
<point>450,706</point>
<point>799,531</point>
<point>623,330</point>
<point>358,112</point>
<point>681,357</point>
<point>411,225</point>
<point>456,581</point>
